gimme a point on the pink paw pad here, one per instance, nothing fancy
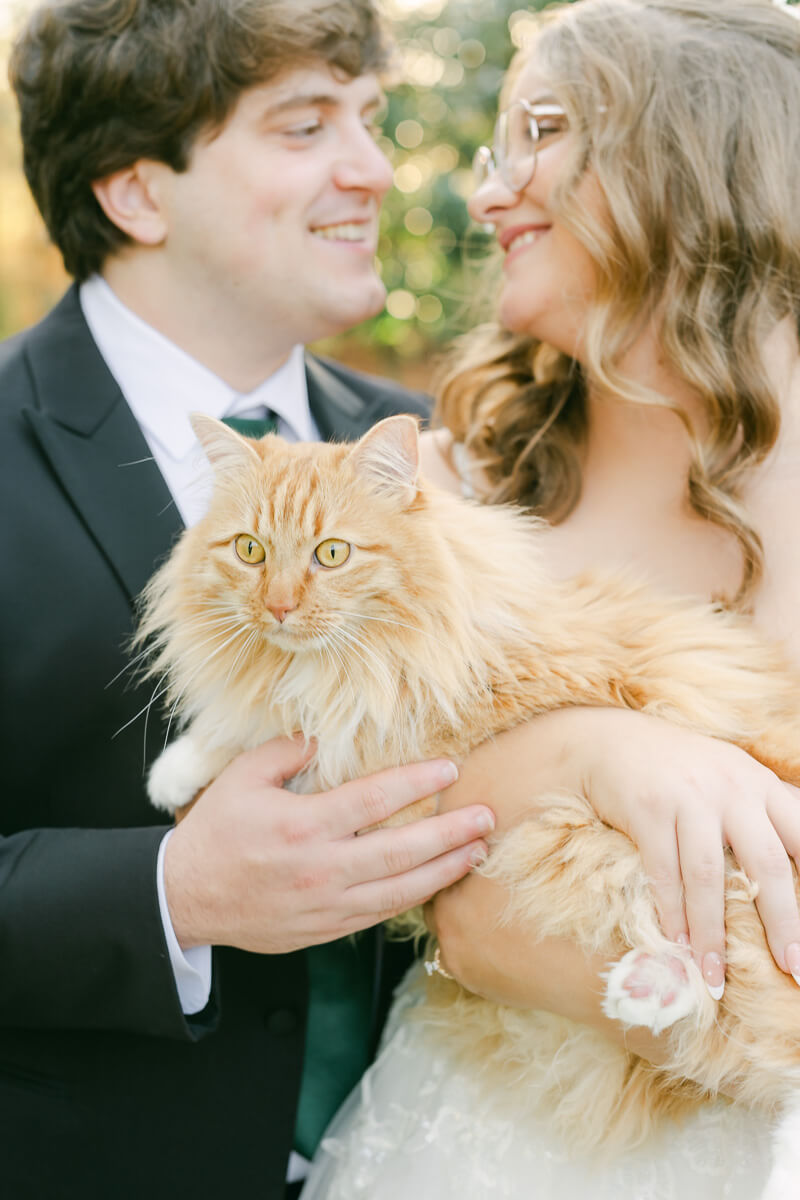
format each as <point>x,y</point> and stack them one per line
<point>652,990</point>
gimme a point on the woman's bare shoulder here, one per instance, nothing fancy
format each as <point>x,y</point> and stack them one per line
<point>436,459</point>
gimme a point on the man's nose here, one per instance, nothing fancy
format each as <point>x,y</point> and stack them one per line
<point>363,164</point>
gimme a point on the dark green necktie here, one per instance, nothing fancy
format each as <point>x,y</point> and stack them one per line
<point>341,977</point>
<point>250,427</point>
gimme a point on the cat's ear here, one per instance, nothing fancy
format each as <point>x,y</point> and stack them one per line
<point>387,457</point>
<point>223,446</point>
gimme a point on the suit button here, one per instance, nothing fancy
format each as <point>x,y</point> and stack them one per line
<point>281,1021</point>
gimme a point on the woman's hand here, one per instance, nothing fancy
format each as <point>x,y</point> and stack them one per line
<point>680,796</point>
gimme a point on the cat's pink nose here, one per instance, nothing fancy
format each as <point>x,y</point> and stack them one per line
<point>279,611</point>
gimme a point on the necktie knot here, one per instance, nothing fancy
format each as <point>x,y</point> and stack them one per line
<point>252,427</point>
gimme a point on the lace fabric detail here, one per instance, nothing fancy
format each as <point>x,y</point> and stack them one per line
<point>422,1127</point>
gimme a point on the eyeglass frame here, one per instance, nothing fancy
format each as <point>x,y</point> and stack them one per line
<point>485,162</point>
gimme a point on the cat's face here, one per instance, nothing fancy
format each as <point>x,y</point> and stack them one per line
<point>304,544</point>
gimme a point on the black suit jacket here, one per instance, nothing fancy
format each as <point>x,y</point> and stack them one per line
<point>106,1090</point>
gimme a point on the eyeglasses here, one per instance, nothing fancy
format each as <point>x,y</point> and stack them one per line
<point>517,134</point>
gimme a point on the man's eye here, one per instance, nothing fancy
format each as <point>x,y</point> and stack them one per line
<point>306,130</point>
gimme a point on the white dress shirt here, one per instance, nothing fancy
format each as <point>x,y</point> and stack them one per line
<point>163,385</point>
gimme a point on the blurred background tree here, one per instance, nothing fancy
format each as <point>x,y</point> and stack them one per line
<point>451,58</point>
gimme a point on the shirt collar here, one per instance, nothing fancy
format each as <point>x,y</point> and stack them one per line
<point>163,384</point>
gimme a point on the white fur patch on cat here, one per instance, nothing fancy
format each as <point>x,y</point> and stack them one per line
<point>177,775</point>
<point>666,990</point>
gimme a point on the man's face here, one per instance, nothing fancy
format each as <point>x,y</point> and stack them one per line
<point>276,217</point>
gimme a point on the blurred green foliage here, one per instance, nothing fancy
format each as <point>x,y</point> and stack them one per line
<point>452,56</point>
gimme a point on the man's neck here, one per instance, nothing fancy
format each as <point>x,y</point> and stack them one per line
<point>199,325</point>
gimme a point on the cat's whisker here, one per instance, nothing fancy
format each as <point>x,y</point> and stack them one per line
<point>359,616</point>
<point>159,692</point>
<point>146,723</point>
<point>200,667</point>
<point>369,658</point>
<point>252,637</point>
<point>129,666</point>
<point>218,627</point>
<point>334,654</point>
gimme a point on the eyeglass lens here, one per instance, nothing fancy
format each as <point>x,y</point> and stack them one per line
<point>515,138</point>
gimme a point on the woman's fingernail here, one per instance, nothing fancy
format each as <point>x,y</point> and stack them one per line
<point>793,961</point>
<point>714,975</point>
<point>448,772</point>
<point>485,821</point>
<point>682,939</point>
<point>478,856</point>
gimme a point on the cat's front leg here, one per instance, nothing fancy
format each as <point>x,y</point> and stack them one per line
<point>183,769</point>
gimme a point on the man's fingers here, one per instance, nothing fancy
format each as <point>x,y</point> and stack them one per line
<point>279,759</point>
<point>365,802</point>
<point>700,845</point>
<point>379,900</point>
<point>387,853</point>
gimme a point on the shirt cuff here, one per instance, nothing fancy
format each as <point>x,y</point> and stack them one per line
<point>191,968</point>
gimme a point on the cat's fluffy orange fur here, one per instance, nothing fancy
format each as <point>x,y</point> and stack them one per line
<point>441,629</point>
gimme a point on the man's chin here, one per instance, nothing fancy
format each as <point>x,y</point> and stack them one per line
<point>352,305</point>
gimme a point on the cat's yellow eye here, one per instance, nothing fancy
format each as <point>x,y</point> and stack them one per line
<point>249,550</point>
<point>332,553</point>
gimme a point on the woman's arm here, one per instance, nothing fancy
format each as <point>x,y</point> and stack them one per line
<point>679,796</point>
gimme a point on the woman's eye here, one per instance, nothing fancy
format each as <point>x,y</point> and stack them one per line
<point>332,553</point>
<point>249,550</point>
<point>550,126</point>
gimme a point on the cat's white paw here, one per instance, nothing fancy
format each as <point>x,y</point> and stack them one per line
<point>177,775</point>
<point>653,990</point>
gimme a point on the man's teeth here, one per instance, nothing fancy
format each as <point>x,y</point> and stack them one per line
<point>342,233</point>
<point>525,239</point>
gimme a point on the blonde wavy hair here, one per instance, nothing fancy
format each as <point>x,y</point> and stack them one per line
<point>687,111</point>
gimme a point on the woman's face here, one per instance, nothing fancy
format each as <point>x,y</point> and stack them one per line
<point>548,275</point>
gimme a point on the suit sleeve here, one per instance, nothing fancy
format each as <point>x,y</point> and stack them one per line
<point>81,940</point>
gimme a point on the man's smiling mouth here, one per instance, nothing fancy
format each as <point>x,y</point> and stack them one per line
<point>348,231</point>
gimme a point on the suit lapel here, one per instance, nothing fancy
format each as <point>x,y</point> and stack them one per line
<point>339,412</point>
<point>95,447</point>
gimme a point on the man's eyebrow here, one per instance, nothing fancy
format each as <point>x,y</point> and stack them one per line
<point>316,100</point>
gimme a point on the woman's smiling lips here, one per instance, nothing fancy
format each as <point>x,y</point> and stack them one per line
<point>518,237</point>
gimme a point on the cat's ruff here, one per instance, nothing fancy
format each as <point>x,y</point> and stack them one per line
<point>441,629</point>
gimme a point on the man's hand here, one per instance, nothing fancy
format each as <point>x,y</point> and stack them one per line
<point>257,867</point>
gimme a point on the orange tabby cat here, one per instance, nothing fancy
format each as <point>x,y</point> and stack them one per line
<point>330,590</point>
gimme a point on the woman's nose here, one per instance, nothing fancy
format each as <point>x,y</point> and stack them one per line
<point>491,195</point>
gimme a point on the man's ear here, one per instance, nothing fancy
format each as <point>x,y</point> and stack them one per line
<point>130,198</point>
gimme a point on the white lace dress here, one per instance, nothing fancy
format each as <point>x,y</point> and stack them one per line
<point>422,1127</point>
